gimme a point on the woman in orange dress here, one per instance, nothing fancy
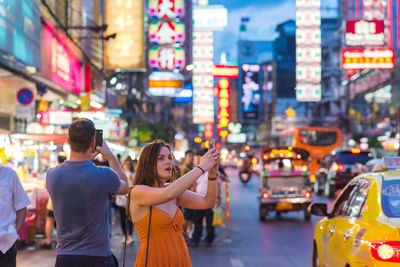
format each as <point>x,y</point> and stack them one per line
<point>150,197</point>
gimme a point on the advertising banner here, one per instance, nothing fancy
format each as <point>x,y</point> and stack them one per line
<point>365,33</point>
<point>62,63</point>
<point>166,32</point>
<point>166,9</point>
<point>166,58</point>
<point>20,30</point>
<point>251,92</point>
<point>126,51</point>
<point>379,58</point>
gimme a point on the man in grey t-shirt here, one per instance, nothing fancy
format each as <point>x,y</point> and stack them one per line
<point>79,191</point>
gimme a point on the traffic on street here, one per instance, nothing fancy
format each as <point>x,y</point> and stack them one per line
<point>178,133</point>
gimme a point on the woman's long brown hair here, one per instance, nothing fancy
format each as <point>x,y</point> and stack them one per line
<point>146,170</point>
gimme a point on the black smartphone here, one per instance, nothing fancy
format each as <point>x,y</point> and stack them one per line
<point>211,143</point>
<point>99,138</point>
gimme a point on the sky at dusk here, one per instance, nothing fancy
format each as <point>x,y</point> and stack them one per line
<point>264,16</point>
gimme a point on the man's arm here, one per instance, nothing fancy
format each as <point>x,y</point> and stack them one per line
<point>21,214</point>
<point>115,166</point>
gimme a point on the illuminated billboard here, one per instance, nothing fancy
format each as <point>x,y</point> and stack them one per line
<point>126,51</point>
<point>365,33</point>
<point>308,36</point>
<point>308,50</point>
<point>166,58</point>
<point>308,92</point>
<point>222,71</point>
<point>308,73</point>
<point>210,18</point>
<point>166,9</point>
<point>224,104</point>
<point>250,99</point>
<point>379,58</point>
<point>308,17</point>
<point>166,32</point>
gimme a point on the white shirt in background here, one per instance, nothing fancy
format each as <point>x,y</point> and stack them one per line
<point>12,198</point>
<point>202,183</point>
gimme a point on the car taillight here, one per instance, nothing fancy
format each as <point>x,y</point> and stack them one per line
<point>356,151</point>
<point>308,194</point>
<point>265,195</point>
<point>337,167</point>
<point>386,251</point>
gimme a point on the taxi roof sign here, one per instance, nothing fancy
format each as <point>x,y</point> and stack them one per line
<point>392,162</point>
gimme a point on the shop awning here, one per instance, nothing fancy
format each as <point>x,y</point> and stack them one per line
<point>45,138</point>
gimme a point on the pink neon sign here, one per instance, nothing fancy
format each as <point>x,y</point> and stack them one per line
<point>65,68</point>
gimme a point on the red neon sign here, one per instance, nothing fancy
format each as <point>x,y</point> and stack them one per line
<point>224,106</point>
<point>379,58</point>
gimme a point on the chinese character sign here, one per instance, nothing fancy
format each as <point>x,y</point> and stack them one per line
<point>125,18</point>
<point>166,9</point>
<point>166,58</point>
<point>166,32</point>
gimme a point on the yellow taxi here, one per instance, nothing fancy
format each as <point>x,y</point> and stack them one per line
<point>363,226</point>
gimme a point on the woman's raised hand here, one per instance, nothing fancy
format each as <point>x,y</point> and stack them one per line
<point>209,159</point>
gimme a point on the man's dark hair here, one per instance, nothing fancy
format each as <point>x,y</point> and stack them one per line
<point>61,159</point>
<point>81,134</point>
<point>188,152</point>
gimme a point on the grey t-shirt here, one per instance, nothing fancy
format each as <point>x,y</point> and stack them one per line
<point>80,194</point>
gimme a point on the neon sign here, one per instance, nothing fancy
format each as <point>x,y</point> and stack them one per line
<point>224,104</point>
<point>166,32</point>
<point>166,58</point>
<point>166,9</point>
<point>380,58</point>
<point>364,32</point>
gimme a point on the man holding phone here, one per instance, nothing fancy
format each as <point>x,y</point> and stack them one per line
<point>80,194</point>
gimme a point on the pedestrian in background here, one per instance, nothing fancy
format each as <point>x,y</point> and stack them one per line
<point>153,206</point>
<point>188,213</point>
<point>198,215</point>
<point>13,203</point>
<point>50,222</point>
<point>80,194</point>
<point>120,202</point>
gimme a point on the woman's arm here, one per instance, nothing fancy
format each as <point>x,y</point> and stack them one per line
<point>191,200</point>
<point>148,196</point>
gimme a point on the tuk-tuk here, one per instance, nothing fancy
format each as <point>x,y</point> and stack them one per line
<point>285,182</point>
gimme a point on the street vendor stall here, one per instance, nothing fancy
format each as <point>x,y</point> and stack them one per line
<point>31,155</point>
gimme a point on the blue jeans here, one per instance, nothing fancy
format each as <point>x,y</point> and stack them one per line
<point>84,261</point>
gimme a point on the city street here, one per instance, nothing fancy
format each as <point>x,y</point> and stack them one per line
<point>285,242</point>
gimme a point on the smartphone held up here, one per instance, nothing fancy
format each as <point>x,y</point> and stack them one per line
<point>99,138</point>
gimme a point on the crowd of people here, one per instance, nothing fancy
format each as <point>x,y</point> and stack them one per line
<point>167,203</point>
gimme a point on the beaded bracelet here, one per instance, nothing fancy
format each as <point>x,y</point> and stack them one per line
<point>200,168</point>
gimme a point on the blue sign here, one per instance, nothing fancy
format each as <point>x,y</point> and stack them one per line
<point>20,30</point>
<point>25,96</point>
<point>186,95</point>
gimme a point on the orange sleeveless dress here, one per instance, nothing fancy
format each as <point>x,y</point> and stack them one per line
<point>167,247</point>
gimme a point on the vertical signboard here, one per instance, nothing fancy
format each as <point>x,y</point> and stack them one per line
<point>126,50</point>
<point>250,99</point>
<point>61,58</point>
<point>308,50</point>
<point>167,33</point>
<point>203,80</point>
<point>224,107</point>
